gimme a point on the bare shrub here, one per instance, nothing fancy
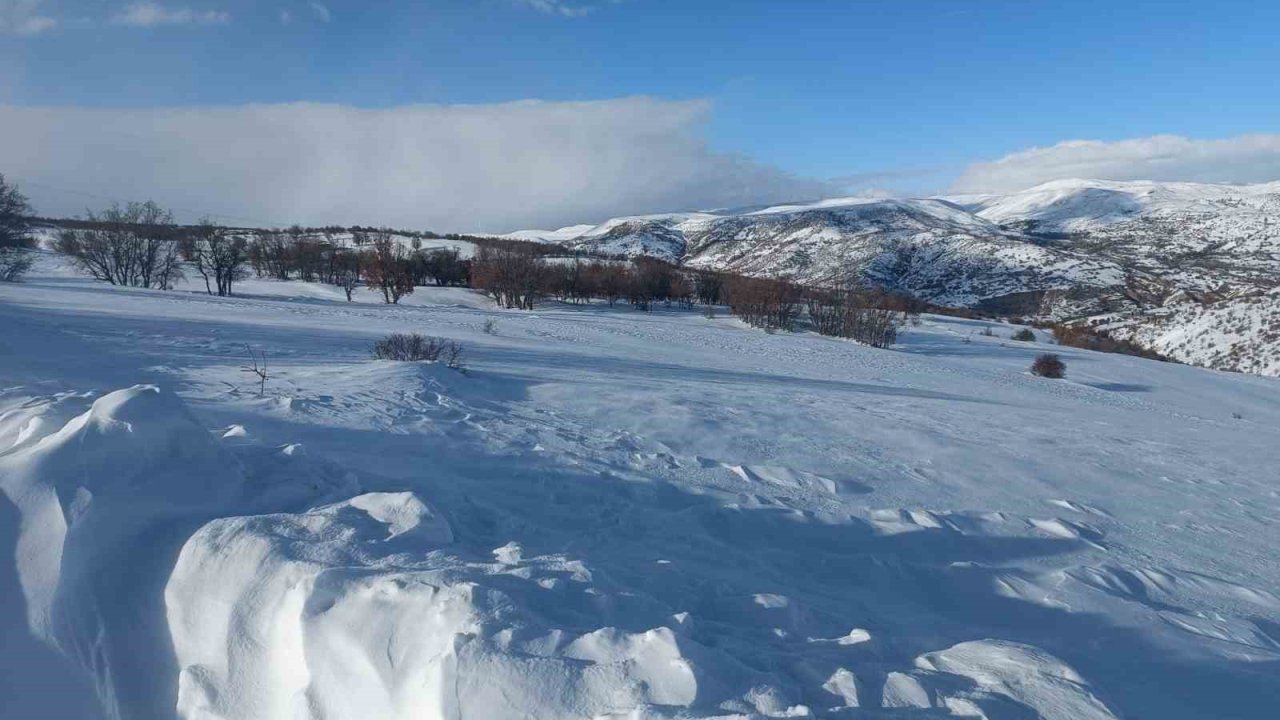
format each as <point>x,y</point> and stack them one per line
<point>490,327</point>
<point>412,347</point>
<point>1024,335</point>
<point>1048,365</point>
<point>988,332</point>
<point>1097,340</point>
<point>258,368</point>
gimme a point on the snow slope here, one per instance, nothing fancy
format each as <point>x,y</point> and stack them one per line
<point>1113,249</point>
<point>615,514</point>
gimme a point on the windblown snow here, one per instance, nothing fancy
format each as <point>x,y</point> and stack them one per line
<point>615,514</point>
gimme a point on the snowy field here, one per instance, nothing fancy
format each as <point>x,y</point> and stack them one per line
<point>615,515</point>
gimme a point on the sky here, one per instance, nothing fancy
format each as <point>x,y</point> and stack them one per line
<point>494,115</point>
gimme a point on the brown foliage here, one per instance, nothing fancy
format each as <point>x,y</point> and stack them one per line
<point>386,267</point>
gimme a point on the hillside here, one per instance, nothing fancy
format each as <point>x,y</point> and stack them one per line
<point>1112,254</point>
<point>614,514</point>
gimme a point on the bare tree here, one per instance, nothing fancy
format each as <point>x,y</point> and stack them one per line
<point>15,256</point>
<point>386,267</point>
<point>854,313</point>
<point>515,277</point>
<point>444,266</point>
<point>135,246</point>
<point>768,304</point>
<point>346,270</point>
<point>218,256</point>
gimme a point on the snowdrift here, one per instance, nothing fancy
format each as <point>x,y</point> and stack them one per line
<point>362,608</point>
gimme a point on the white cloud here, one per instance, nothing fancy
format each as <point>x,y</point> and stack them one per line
<point>24,17</point>
<point>1242,159</point>
<point>321,11</point>
<point>563,7</point>
<point>465,168</point>
<point>149,14</point>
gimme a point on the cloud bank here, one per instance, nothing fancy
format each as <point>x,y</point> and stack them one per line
<point>458,168</point>
<point>1243,159</point>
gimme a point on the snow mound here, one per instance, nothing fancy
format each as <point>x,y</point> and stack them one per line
<point>345,611</point>
<point>101,504</point>
<point>1025,674</point>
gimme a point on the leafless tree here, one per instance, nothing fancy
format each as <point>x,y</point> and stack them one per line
<point>854,313</point>
<point>135,245</point>
<point>764,303</point>
<point>217,256</point>
<point>513,276</point>
<point>386,267</point>
<point>346,270</point>
<point>15,255</point>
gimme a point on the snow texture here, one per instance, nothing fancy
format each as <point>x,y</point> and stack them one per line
<point>614,514</point>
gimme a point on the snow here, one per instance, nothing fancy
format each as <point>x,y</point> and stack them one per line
<point>1083,205</point>
<point>614,514</point>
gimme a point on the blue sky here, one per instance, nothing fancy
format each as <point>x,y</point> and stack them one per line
<point>902,96</point>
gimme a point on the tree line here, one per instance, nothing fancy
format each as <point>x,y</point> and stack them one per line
<point>140,245</point>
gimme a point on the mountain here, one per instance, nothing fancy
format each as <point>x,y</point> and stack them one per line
<point>1143,260</point>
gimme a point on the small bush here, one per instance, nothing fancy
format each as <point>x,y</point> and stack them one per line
<point>1048,365</point>
<point>14,263</point>
<point>490,327</point>
<point>1024,335</point>
<point>413,347</point>
<point>988,332</point>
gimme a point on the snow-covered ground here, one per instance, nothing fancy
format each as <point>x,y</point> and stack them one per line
<point>615,514</point>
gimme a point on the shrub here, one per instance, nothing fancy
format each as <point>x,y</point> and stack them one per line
<point>1024,335</point>
<point>1100,341</point>
<point>988,332</point>
<point>413,347</point>
<point>1048,365</point>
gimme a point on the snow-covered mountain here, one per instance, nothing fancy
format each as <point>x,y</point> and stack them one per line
<point>1139,255</point>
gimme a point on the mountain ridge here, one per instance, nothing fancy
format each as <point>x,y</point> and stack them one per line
<point>1126,256</point>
